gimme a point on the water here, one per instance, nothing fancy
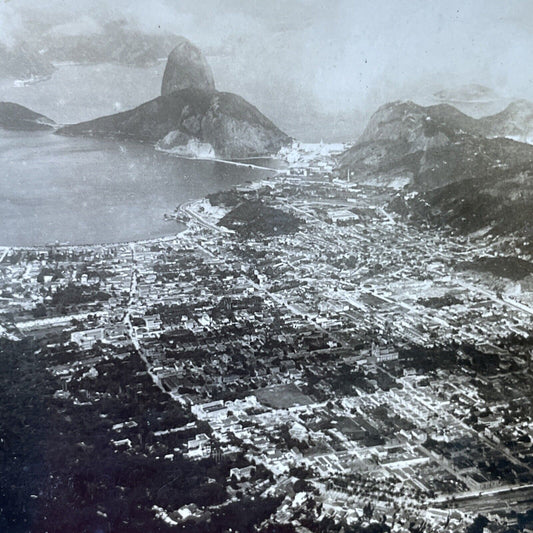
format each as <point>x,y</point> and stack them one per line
<point>75,93</point>
<point>87,191</point>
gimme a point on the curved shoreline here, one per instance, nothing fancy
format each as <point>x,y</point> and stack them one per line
<point>182,207</point>
<point>43,247</point>
<point>171,235</point>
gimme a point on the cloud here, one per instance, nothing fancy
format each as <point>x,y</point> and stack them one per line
<point>11,24</point>
<point>80,26</point>
<point>339,54</point>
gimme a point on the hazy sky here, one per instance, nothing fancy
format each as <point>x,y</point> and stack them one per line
<point>336,55</point>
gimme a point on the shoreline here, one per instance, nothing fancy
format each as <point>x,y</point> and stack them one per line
<point>4,248</point>
<point>43,247</point>
<point>234,162</point>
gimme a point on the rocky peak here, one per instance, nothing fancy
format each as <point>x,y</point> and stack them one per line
<point>413,123</point>
<point>191,118</point>
<point>392,122</point>
<point>186,68</point>
<point>430,147</point>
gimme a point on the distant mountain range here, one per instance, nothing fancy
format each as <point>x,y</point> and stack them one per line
<point>23,63</point>
<point>115,42</point>
<point>470,93</point>
<point>473,99</point>
<point>469,175</point>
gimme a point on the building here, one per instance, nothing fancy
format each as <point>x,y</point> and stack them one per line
<point>210,411</point>
<point>342,216</point>
<point>382,354</point>
<point>199,447</point>
<point>86,339</point>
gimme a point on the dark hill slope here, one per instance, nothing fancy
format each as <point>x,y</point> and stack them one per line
<point>17,117</point>
<point>255,218</point>
<point>432,146</point>
<point>231,125</point>
<point>500,202</point>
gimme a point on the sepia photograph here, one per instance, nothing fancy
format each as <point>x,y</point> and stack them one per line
<point>266,266</point>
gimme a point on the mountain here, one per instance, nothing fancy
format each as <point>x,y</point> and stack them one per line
<point>498,116</point>
<point>473,99</point>
<point>429,147</point>
<point>194,120</point>
<point>473,92</point>
<point>455,170</point>
<point>17,117</point>
<point>233,127</point>
<point>186,67</point>
<point>410,122</point>
<point>22,63</point>
<point>115,42</point>
<point>500,203</point>
<point>515,122</point>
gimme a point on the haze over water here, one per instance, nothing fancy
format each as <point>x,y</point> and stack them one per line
<point>87,191</point>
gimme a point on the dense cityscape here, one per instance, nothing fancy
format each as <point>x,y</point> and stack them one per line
<point>266,267</point>
<point>300,349</point>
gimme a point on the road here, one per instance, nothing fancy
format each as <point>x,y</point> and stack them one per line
<point>127,319</point>
<point>4,253</point>
<point>55,321</point>
<point>188,210</point>
<point>504,498</point>
<point>492,296</point>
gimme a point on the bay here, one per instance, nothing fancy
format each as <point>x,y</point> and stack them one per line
<point>88,191</point>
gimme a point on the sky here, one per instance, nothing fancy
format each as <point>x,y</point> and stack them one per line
<point>322,56</point>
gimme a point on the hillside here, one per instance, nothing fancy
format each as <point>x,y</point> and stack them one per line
<point>252,218</point>
<point>499,203</point>
<point>430,147</point>
<point>515,121</point>
<point>233,127</point>
<point>17,117</point>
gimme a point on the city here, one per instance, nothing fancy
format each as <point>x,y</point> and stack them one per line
<point>301,349</point>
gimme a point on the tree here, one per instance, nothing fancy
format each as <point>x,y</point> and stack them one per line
<point>478,525</point>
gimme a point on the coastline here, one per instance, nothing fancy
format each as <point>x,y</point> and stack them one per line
<point>182,208</point>
<point>162,234</point>
<point>66,245</point>
<point>234,162</point>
